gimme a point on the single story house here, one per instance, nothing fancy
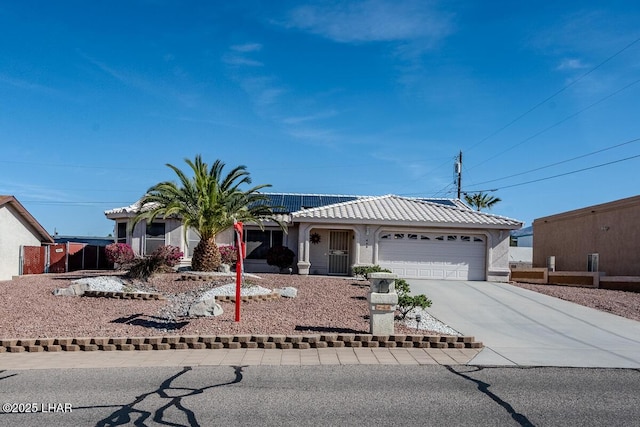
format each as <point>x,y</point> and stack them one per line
<point>18,228</point>
<point>522,238</point>
<point>330,234</point>
<point>603,238</point>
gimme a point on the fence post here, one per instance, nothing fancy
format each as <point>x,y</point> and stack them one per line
<point>47,258</point>
<point>21,260</point>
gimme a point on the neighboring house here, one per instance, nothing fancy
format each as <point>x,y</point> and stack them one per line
<point>18,228</point>
<point>521,249</point>
<point>522,238</point>
<point>88,240</point>
<point>415,238</point>
<point>602,238</point>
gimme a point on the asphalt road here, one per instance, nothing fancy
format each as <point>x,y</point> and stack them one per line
<point>323,395</point>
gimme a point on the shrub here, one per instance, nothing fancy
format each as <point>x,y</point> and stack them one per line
<point>363,270</point>
<point>119,253</point>
<point>162,260</point>
<point>406,302</point>
<point>228,254</point>
<point>280,256</point>
<point>169,255</point>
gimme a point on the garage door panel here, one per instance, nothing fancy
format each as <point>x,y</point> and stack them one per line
<point>451,258</point>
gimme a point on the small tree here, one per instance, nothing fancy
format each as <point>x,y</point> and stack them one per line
<point>406,302</point>
<point>280,256</point>
<point>481,200</point>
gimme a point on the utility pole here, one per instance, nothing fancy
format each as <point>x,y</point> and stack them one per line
<point>458,170</point>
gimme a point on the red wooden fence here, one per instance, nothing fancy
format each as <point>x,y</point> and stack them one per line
<point>63,257</point>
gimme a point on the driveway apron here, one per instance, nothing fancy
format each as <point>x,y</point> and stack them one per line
<point>525,328</point>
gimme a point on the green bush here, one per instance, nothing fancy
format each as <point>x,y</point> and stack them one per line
<point>363,270</point>
<point>406,302</point>
<point>280,256</point>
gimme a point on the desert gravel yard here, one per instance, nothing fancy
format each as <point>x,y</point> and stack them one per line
<point>28,308</point>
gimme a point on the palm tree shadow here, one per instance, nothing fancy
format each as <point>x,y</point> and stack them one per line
<point>152,322</point>
<point>128,414</point>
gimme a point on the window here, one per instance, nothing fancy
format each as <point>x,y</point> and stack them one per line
<point>452,238</point>
<point>193,238</point>
<point>412,236</point>
<point>465,238</point>
<point>121,233</point>
<point>398,236</point>
<point>154,238</point>
<point>385,236</point>
<point>258,242</point>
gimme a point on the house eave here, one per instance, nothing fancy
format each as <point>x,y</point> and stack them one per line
<point>396,223</point>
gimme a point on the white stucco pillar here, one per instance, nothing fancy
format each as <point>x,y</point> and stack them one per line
<point>303,250</point>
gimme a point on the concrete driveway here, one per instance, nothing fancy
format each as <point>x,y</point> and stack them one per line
<point>523,328</point>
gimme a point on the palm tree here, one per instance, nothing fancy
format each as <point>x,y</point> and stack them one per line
<point>209,203</point>
<point>481,200</point>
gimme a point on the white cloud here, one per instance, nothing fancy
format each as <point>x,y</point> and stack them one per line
<point>372,21</point>
<point>26,85</point>
<point>236,57</point>
<point>262,90</point>
<point>237,60</point>
<point>309,118</point>
<point>572,64</point>
<point>247,47</point>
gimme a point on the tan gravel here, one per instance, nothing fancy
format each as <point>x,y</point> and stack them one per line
<point>624,304</point>
<point>28,308</point>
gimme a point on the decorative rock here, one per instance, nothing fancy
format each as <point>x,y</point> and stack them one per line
<point>207,307</point>
<point>76,289</point>
<point>288,292</point>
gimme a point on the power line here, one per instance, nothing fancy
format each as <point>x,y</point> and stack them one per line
<point>554,95</point>
<point>601,100</point>
<point>560,162</point>
<point>557,176</point>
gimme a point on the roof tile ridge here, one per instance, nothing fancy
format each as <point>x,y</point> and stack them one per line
<point>467,210</point>
<point>312,194</point>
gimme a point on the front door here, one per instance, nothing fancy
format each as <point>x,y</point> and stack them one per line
<point>339,253</point>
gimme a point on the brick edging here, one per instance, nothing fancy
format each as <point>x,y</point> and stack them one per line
<point>124,295</point>
<point>170,342</point>
<point>152,296</point>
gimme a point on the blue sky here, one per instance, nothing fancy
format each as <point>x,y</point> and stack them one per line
<point>360,97</point>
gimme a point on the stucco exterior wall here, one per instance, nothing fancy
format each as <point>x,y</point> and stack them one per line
<point>611,230</point>
<point>14,232</point>
<point>498,255</point>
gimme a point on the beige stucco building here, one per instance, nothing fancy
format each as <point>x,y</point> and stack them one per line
<point>610,230</point>
<point>329,234</point>
<point>18,228</point>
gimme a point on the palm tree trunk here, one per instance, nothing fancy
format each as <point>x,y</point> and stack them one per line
<point>206,256</point>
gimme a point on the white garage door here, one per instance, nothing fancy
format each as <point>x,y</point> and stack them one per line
<point>433,256</point>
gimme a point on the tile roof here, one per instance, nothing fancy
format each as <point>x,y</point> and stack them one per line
<point>403,210</point>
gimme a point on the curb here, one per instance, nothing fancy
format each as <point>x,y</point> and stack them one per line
<point>235,342</point>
